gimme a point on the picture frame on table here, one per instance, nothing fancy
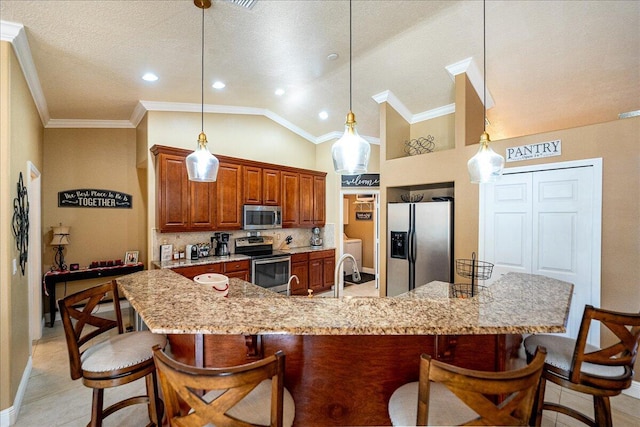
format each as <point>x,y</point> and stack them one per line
<point>131,257</point>
<point>166,252</point>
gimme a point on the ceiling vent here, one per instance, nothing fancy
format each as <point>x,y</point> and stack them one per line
<point>248,4</point>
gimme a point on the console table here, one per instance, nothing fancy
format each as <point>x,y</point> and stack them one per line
<point>50,279</point>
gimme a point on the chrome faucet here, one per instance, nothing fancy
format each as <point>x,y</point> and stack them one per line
<point>289,283</point>
<point>339,285</point>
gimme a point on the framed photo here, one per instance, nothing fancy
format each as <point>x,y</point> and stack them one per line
<point>166,252</point>
<point>131,257</point>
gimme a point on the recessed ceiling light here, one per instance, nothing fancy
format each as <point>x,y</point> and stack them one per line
<point>333,56</point>
<point>149,77</point>
<point>323,115</point>
<point>279,92</point>
<point>218,85</point>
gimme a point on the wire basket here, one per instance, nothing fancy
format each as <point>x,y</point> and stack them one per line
<point>468,290</point>
<point>473,269</point>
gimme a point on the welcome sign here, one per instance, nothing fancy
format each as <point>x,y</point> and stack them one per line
<point>94,198</point>
<point>363,180</point>
<point>534,151</point>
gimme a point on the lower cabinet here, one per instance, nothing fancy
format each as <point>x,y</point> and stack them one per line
<point>321,270</point>
<point>300,267</point>
<point>231,269</point>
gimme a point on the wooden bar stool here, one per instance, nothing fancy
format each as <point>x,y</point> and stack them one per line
<point>578,366</point>
<point>252,394</point>
<point>450,395</point>
<point>105,359</point>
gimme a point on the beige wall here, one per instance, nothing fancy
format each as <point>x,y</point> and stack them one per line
<point>21,138</point>
<point>97,159</point>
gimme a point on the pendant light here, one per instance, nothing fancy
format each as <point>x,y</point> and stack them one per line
<point>486,165</point>
<point>351,152</point>
<point>202,166</point>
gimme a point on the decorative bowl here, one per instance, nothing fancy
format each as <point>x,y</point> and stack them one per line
<point>219,283</point>
<point>411,198</point>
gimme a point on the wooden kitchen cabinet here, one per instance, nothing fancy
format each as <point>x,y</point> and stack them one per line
<point>195,270</point>
<point>237,269</point>
<point>229,197</point>
<point>321,270</point>
<point>231,269</point>
<point>319,200</point>
<point>300,267</point>
<point>252,184</point>
<point>306,200</point>
<point>261,186</point>
<point>303,196</point>
<point>182,205</point>
<point>290,199</point>
<point>271,187</point>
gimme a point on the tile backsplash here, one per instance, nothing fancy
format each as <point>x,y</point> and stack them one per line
<point>301,238</point>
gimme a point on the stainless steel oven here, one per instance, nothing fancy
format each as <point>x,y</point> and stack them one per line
<point>271,272</point>
<point>269,269</point>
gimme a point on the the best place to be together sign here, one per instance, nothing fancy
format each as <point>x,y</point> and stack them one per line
<point>93,198</point>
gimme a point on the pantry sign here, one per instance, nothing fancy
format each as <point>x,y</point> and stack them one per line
<point>94,198</point>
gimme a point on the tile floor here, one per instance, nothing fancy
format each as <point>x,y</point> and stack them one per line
<point>53,399</point>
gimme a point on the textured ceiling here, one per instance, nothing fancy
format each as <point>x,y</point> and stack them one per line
<point>550,64</point>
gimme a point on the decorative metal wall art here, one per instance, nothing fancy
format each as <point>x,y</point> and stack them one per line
<point>419,146</point>
<point>20,222</point>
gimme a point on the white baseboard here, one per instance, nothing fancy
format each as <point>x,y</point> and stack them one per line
<point>634,390</point>
<point>9,416</point>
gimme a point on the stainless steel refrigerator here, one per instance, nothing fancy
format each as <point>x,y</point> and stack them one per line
<point>420,244</point>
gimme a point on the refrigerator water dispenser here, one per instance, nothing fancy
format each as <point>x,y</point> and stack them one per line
<point>399,244</point>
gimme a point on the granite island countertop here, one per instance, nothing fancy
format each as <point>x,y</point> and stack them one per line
<point>515,303</point>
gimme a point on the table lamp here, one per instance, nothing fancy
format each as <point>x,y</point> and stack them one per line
<point>60,240</point>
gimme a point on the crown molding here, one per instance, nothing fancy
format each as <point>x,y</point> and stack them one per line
<point>470,67</point>
<point>89,124</point>
<point>388,97</point>
<point>15,34</point>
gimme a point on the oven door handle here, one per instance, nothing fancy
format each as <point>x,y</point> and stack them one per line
<point>271,260</point>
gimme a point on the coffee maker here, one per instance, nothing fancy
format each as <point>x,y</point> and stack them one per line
<point>222,244</point>
<point>316,240</point>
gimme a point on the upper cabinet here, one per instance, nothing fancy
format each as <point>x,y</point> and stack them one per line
<point>183,205</point>
<point>229,196</point>
<point>290,199</point>
<point>261,186</point>
<point>303,196</point>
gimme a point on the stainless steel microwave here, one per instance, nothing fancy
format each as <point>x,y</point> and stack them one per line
<point>258,217</point>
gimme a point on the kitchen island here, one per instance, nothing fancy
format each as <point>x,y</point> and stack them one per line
<point>345,356</point>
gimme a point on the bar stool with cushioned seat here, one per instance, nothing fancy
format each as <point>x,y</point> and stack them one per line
<point>578,366</point>
<point>450,395</point>
<point>252,394</point>
<point>104,359</point>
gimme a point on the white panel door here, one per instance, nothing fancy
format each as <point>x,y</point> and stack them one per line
<point>562,228</point>
<point>542,222</point>
<point>508,206</point>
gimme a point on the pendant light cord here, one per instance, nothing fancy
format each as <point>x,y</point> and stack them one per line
<point>484,63</point>
<point>350,60</point>
<point>202,78</point>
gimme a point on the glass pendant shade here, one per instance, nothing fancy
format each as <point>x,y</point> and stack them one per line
<point>351,152</point>
<point>486,165</point>
<point>202,166</point>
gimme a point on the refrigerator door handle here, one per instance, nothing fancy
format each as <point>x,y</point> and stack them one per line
<point>412,246</point>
